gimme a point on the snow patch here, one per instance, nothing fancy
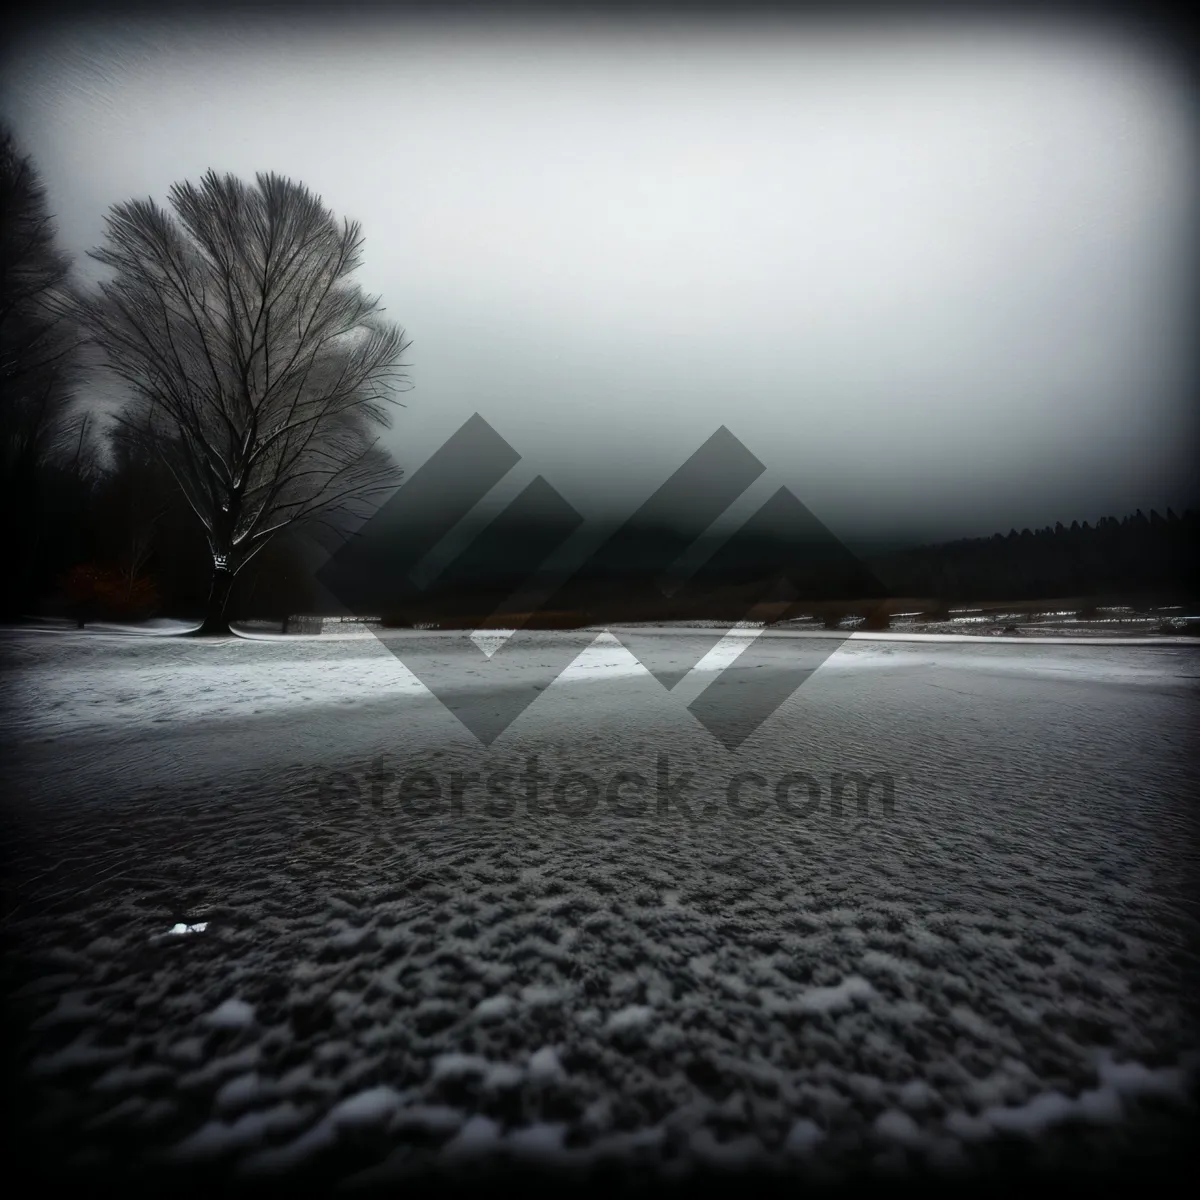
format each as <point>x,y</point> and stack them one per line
<point>803,1137</point>
<point>438,1119</point>
<point>544,1066</point>
<point>477,1137</point>
<point>180,928</point>
<point>231,1014</point>
<point>369,1107</point>
<point>1136,1079</point>
<point>495,1007</point>
<point>738,1152</point>
<point>899,1127</point>
<point>633,1016</point>
<point>458,1066</point>
<point>218,1138</point>
<point>537,994</point>
<point>542,1142</point>
<point>835,999</point>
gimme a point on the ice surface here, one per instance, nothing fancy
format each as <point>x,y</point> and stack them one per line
<point>232,946</point>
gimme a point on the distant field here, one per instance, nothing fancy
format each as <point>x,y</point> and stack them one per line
<point>1099,614</point>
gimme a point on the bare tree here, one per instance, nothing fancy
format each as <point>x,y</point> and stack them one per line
<point>42,435</point>
<point>259,373</point>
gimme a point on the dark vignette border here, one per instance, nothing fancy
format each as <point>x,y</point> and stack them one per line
<point>1158,27</point>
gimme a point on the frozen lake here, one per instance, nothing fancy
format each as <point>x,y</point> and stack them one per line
<point>274,906</point>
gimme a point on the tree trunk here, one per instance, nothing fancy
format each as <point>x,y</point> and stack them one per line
<point>215,621</point>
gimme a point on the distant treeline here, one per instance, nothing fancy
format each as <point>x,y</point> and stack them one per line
<point>129,520</point>
<point>1137,554</point>
<point>1135,558</point>
<point>126,522</point>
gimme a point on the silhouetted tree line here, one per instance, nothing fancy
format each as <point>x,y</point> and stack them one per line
<point>1138,558</point>
<point>1136,554</point>
<point>48,464</point>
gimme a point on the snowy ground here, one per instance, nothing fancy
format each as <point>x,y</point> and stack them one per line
<point>236,952</point>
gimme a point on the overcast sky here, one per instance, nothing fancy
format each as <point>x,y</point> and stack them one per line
<point>936,282</point>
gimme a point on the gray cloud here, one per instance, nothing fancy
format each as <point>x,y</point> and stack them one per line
<point>936,282</point>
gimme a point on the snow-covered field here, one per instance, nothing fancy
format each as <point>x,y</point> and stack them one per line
<point>238,949</point>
